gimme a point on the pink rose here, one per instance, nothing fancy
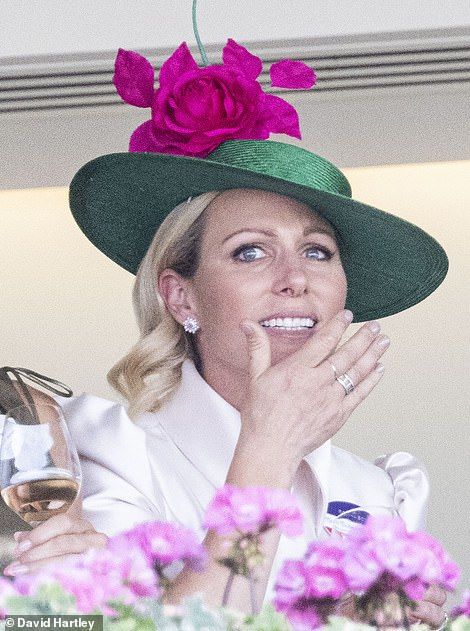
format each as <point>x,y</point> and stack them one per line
<point>195,109</point>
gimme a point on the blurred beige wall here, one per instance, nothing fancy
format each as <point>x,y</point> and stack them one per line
<point>66,311</point>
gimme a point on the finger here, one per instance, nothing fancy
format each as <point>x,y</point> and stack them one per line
<point>368,361</point>
<point>30,568</point>
<point>19,535</point>
<point>362,390</point>
<point>436,595</point>
<point>57,525</point>
<point>259,348</point>
<point>64,544</point>
<point>325,340</point>
<point>353,349</point>
<point>428,613</point>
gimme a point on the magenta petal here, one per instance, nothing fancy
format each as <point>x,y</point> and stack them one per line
<point>292,74</point>
<point>134,78</point>
<point>142,139</point>
<point>180,62</point>
<point>282,117</point>
<point>236,55</point>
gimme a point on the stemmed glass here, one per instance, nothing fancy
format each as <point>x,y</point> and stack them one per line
<point>40,474</point>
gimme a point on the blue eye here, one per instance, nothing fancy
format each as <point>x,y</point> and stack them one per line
<point>319,254</point>
<point>247,253</point>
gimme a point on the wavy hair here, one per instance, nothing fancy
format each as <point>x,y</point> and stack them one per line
<point>151,371</point>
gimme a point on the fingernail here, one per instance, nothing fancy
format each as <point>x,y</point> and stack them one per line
<point>374,327</point>
<point>15,568</point>
<point>22,547</point>
<point>379,367</point>
<point>17,534</point>
<point>348,315</point>
<point>383,341</point>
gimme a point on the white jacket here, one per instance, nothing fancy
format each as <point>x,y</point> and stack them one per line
<point>168,465</point>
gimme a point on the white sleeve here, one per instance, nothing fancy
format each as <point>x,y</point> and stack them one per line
<point>118,488</point>
<point>411,487</point>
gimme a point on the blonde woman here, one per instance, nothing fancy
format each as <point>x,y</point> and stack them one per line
<point>249,398</point>
<point>252,260</point>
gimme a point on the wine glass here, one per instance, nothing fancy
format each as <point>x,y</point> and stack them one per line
<point>40,474</point>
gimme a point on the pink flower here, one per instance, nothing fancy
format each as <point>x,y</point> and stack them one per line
<point>292,74</point>
<point>327,554</point>
<point>303,590</point>
<point>303,618</point>
<point>464,608</point>
<point>97,578</point>
<point>292,596</point>
<point>162,544</point>
<point>252,510</point>
<point>195,109</point>
<point>383,552</point>
<point>437,566</point>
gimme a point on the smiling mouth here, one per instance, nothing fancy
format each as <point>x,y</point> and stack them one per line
<point>289,324</point>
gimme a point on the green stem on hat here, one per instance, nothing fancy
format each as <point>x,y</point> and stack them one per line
<point>205,61</point>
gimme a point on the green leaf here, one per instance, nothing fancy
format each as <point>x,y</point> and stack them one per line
<point>462,623</point>
<point>267,620</point>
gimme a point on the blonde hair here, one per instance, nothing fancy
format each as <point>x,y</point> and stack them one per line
<point>151,371</point>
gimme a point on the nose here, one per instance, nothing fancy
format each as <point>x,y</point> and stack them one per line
<point>291,279</point>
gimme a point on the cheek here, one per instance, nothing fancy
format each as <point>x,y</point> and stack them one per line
<point>335,288</point>
<point>223,300</point>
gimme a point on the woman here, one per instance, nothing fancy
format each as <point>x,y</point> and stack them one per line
<point>239,376</point>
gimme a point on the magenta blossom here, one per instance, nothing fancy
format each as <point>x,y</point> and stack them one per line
<point>383,552</point>
<point>253,510</point>
<point>464,608</point>
<point>97,579</point>
<point>309,587</point>
<point>195,109</point>
<point>162,544</point>
<point>305,592</point>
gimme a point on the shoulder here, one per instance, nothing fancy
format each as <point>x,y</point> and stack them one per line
<point>94,421</point>
<point>403,473</point>
<point>356,466</point>
<point>399,467</point>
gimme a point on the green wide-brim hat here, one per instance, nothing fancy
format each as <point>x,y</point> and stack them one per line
<point>120,200</point>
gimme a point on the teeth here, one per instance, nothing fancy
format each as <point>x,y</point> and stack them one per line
<point>296,324</point>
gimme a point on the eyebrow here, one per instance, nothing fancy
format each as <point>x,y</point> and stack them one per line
<point>268,233</point>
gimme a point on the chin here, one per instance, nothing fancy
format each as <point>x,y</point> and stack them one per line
<point>278,352</point>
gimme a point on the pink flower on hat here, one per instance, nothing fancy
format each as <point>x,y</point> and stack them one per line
<point>195,109</point>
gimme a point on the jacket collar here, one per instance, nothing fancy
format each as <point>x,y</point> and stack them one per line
<point>205,428</point>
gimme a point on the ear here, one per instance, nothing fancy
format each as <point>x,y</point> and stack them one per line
<point>173,288</point>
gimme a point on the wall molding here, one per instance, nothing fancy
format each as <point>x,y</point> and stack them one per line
<point>366,85</point>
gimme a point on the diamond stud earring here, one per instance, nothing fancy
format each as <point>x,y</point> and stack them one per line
<point>191,325</point>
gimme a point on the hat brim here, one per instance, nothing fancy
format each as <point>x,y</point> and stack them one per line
<point>119,200</point>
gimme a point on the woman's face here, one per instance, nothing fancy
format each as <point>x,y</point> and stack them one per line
<point>266,258</point>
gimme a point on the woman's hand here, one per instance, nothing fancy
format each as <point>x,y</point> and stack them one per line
<point>56,539</point>
<point>297,404</point>
<point>430,610</point>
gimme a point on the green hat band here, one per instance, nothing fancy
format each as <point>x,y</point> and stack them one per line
<point>288,162</point>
